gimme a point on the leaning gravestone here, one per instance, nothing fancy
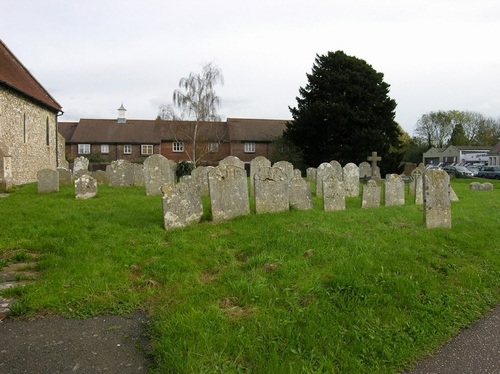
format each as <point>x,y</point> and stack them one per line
<point>182,205</point>
<point>255,165</point>
<point>232,160</point>
<point>65,177</point>
<point>121,173</point>
<point>365,170</point>
<point>200,178</point>
<point>271,190</point>
<point>85,187</point>
<point>437,202</point>
<point>333,194</point>
<point>80,163</point>
<point>394,190</point>
<point>158,171</point>
<point>228,192</point>
<point>311,174</point>
<point>351,180</point>
<point>48,180</point>
<point>371,195</point>
<point>299,194</point>
<point>324,170</point>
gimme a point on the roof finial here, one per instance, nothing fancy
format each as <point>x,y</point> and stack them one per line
<point>121,114</point>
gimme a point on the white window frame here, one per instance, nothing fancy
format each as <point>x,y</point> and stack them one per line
<point>104,149</point>
<point>213,147</point>
<point>83,149</point>
<point>249,147</point>
<point>178,147</point>
<point>127,149</point>
<point>147,149</point>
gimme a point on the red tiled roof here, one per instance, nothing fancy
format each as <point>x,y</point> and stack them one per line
<point>14,75</point>
<point>255,130</point>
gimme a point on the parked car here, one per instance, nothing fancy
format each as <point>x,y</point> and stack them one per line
<point>474,170</point>
<point>492,172</point>
<point>458,171</point>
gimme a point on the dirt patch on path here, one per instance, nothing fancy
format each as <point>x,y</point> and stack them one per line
<point>103,344</point>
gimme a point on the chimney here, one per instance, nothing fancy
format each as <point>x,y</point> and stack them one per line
<point>121,114</point>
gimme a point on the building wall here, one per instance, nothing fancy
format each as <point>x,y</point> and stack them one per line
<point>205,158</point>
<point>29,132</point>
<point>261,149</point>
<point>116,152</point>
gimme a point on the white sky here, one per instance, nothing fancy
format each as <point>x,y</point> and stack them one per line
<point>92,55</point>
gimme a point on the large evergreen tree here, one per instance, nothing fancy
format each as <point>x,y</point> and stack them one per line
<point>344,113</point>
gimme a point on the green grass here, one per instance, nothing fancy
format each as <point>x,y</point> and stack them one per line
<point>358,291</point>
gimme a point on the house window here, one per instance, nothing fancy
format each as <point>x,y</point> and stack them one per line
<point>213,147</point>
<point>83,149</point>
<point>178,147</point>
<point>249,147</point>
<point>146,149</point>
<point>104,148</point>
<point>127,149</point>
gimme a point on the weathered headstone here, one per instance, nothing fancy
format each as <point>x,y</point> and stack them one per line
<point>182,206</point>
<point>453,195</point>
<point>333,194</point>
<point>48,180</point>
<point>80,163</point>
<point>394,190</point>
<point>311,174</point>
<point>228,192</point>
<point>255,165</point>
<point>286,167</point>
<point>85,187</point>
<point>271,190</point>
<point>351,180</point>
<point>437,203</point>
<point>121,173</point>
<point>232,160</point>
<point>418,182</point>
<point>338,171</point>
<point>200,177</point>
<point>299,193</point>
<point>101,177</point>
<point>374,158</point>
<point>371,195</point>
<point>324,170</point>
<point>365,170</point>
<point>138,174</point>
<point>476,186</point>
<point>158,171</point>
<point>65,177</point>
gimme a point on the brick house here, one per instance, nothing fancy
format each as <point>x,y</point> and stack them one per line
<point>29,138</point>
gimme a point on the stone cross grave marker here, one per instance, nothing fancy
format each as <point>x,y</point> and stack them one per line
<point>374,158</point>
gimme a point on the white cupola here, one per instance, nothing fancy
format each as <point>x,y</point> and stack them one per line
<point>122,118</point>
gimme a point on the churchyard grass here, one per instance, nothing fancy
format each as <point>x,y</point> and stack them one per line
<point>354,291</point>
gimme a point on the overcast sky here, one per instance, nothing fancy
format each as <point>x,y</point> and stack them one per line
<point>92,55</point>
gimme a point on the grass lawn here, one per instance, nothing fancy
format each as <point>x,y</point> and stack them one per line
<point>357,291</point>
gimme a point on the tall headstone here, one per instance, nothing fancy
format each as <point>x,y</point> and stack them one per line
<point>65,177</point>
<point>311,174</point>
<point>182,205</point>
<point>158,171</point>
<point>232,160</point>
<point>121,173</point>
<point>417,176</point>
<point>138,174</point>
<point>228,192</point>
<point>48,180</point>
<point>286,167</point>
<point>351,180</point>
<point>365,170</point>
<point>80,164</point>
<point>338,171</point>
<point>437,202</point>
<point>324,170</point>
<point>271,190</point>
<point>200,176</point>
<point>371,195</point>
<point>333,194</point>
<point>255,165</point>
<point>299,193</point>
<point>85,187</point>
<point>374,158</point>
<point>394,190</point>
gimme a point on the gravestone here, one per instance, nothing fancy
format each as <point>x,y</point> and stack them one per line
<point>286,167</point>
<point>232,160</point>
<point>324,170</point>
<point>476,186</point>
<point>5,168</point>
<point>374,158</point>
<point>311,174</point>
<point>338,171</point>
<point>371,195</point>
<point>257,163</point>
<point>453,195</point>
<point>228,192</point>
<point>138,174</point>
<point>394,190</point>
<point>101,177</point>
<point>299,194</point>
<point>121,173</point>
<point>182,205</point>
<point>437,203</point>
<point>158,171</point>
<point>333,194</point>
<point>417,175</point>
<point>351,180</point>
<point>200,178</point>
<point>85,187</point>
<point>365,170</point>
<point>65,177</point>
<point>80,163</point>
<point>271,190</point>
<point>48,180</point>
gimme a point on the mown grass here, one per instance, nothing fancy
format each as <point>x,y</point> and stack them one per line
<point>358,291</point>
